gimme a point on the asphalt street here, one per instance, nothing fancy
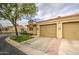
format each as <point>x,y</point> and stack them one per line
<point>6,48</point>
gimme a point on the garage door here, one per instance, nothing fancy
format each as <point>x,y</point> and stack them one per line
<point>48,30</point>
<point>71,30</point>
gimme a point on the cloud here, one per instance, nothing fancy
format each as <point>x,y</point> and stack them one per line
<point>5,23</point>
<point>50,10</point>
<point>23,22</point>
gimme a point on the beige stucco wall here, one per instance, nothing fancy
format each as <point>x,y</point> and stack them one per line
<point>38,30</point>
<point>59,29</point>
<point>12,29</point>
<point>35,30</point>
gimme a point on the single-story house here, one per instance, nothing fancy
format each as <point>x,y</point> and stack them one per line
<point>11,29</point>
<point>66,27</point>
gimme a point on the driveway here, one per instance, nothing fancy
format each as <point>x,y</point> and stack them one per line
<point>46,45</point>
<point>69,47</point>
<point>54,46</point>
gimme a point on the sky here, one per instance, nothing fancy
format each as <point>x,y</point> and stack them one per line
<point>50,10</point>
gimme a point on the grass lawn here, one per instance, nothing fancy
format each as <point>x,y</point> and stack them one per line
<point>21,37</point>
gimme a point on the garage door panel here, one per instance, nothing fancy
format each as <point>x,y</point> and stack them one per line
<point>71,30</point>
<point>48,30</point>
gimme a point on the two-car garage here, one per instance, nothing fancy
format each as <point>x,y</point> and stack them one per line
<point>70,30</point>
<point>63,27</point>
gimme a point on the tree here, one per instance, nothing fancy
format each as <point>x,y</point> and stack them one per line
<point>1,28</point>
<point>14,12</point>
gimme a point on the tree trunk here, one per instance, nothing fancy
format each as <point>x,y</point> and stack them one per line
<point>15,25</point>
<point>0,30</point>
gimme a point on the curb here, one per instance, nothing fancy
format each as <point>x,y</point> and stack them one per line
<point>25,49</point>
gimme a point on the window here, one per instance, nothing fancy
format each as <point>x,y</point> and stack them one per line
<point>31,29</point>
<point>6,29</point>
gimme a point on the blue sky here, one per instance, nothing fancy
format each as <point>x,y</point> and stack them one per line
<point>50,10</point>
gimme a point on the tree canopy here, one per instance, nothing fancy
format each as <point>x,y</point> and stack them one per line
<point>14,12</point>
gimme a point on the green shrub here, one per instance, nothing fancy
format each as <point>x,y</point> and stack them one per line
<point>24,33</point>
<point>21,38</point>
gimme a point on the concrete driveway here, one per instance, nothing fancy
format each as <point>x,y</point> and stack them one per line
<point>69,47</point>
<point>54,46</point>
<point>39,43</point>
<point>46,45</point>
